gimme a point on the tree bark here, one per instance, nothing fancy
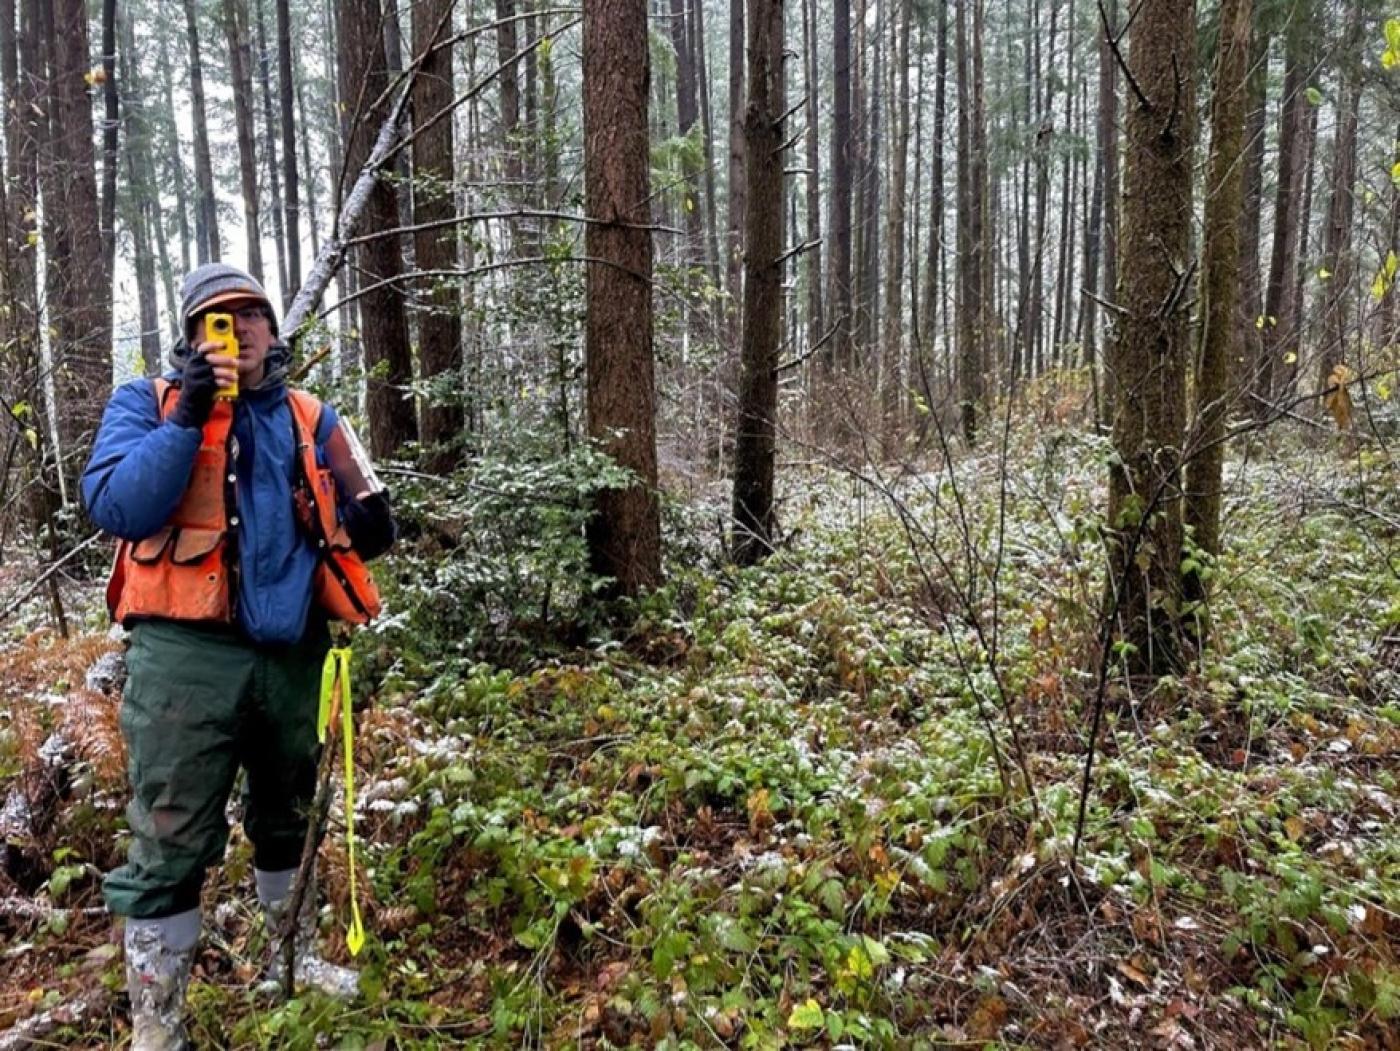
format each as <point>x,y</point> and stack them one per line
<point>175,160</point>
<point>274,176</point>
<point>290,175</point>
<point>1105,193</point>
<point>80,294</point>
<point>111,127</point>
<point>815,275</point>
<point>971,197</point>
<point>139,200</point>
<point>934,319</point>
<point>1338,257</point>
<point>702,69</point>
<point>363,71</point>
<point>735,181</point>
<point>240,72</point>
<point>507,44</point>
<point>892,371</point>
<point>1279,335</point>
<point>440,322</point>
<point>206,217</point>
<point>1218,354</point>
<point>624,537</point>
<point>754,523</point>
<point>841,176</point>
<point>1150,355</point>
<point>1250,315</point>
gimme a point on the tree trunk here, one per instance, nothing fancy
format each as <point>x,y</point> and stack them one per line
<point>285,88</point>
<point>815,275</point>
<point>841,175</point>
<point>1250,316</point>
<point>440,323</point>
<point>1280,339</point>
<point>687,114</point>
<point>206,218</point>
<point>240,72</point>
<point>624,537</point>
<point>139,200</point>
<point>312,219</point>
<point>110,128</point>
<point>754,523</point>
<point>735,181</point>
<point>1105,194</point>
<point>19,322</point>
<point>702,70</point>
<point>1220,285</point>
<point>175,160</point>
<point>892,372</point>
<point>80,294</point>
<point>1064,301</point>
<point>869,95</point>
<point>1150,355</point>
<point>934,319</point>
<point>971,353</point>
<point>507,44</point>
<point>274,176</point>
<point>1341,206</point>
<point>388,363</point>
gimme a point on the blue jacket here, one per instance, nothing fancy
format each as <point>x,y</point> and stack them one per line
<point>141,465</point>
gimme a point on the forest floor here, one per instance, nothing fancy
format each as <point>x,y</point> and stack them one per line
<point>772,815</point>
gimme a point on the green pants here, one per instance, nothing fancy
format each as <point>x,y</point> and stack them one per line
<point>199,703</point>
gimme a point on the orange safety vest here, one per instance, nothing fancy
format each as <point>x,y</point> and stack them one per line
<point>188,570</point>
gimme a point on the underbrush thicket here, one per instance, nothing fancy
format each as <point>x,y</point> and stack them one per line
<point>770,813</point>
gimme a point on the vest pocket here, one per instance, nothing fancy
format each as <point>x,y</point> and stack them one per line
<point>149,550</point>
<point>194,545</point>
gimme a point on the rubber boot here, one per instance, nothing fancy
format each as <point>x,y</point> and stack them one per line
<point>310,969</point>
<point>159,953</point>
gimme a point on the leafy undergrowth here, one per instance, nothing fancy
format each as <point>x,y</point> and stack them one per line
<point>772,815</point>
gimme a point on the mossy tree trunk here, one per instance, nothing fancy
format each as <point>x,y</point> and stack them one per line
<point>1220,285</point>
<point>1150,354</point>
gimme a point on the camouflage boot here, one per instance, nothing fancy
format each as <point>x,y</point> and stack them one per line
<point>310,969</point>
<point>158,957</point>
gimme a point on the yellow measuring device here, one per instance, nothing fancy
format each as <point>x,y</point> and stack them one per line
<point>218,328</point>
<point>335,683</point>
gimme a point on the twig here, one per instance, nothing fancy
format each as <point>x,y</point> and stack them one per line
<point>1118,55</point>
<point>43,577</point>
<point>508,214</point>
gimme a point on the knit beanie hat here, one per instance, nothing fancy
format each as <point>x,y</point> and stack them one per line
<point>213,283</point>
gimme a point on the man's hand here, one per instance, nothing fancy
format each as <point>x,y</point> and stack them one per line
<point>370,523</point>
<point>202,380</point>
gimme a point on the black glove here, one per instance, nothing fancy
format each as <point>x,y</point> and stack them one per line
<point>370,523</point>
<point>197,390</point>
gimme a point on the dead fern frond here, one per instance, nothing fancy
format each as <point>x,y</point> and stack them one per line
<point>90,722</point>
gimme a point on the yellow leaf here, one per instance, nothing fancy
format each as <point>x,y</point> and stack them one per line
<point>1259,322</point>
<point>1395,173</point>
<point>1379,286</point>
<point>1290,357</point>
<point>1383,390</point>
<point>1294,828</point>
<point>1323,273</point>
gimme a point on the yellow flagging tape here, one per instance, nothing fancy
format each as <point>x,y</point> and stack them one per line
<point>336,673</point>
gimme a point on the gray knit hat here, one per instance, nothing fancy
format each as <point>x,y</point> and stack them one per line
<point>214,283</point>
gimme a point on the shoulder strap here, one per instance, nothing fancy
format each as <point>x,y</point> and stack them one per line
<point>306,413</point>
<point>163,389</point>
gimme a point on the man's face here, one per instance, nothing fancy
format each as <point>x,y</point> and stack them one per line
<point>254,332</point>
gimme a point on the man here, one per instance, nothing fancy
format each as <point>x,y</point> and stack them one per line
<point>238,545</point>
